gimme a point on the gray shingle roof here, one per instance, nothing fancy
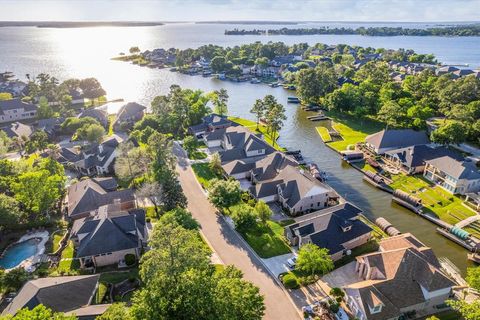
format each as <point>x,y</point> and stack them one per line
<point>61,294</point>
<point>456,169</point>
<point>18,129</point>
<point>16,103</point>
<point>98,114</point>
<point>415,156</point>
<point>397,138</point>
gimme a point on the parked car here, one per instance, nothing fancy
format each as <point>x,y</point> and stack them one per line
<point>292,262</point>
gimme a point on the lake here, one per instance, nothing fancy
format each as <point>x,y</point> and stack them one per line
<point>86,52</point>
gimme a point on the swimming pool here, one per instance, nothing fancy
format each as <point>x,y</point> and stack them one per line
<point>19,252</point>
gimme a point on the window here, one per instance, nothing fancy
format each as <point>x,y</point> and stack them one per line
<point>318,204</point>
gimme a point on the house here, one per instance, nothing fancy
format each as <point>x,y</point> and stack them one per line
<point>210,123</point>
<point>97,159</point>
<point>18,130</point>
<point>16,109</point>
<point>86,196</point>
<point>50,126</point>
<point>453,175</point>
<point>107,236</point>
<point>402,280</point>
<point>463,72</point>
<point>412,158</point>
<point>100,115</point>
<point>296,191</point>
<point>390,139</point>
<point>69,294</point>
<point>446,69</point>
<point>337,229</point>
<point>14,87</point>
<point>128,115</point>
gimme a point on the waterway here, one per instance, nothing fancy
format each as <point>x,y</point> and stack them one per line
<point>86,52</point>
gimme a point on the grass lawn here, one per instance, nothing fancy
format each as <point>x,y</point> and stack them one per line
<point>323,132</point>
<point>112,277</point>
<point>67,266</point>
<point>365,166</point>
<point>111,120</point>
<point>197,155</point>
<point>56,241</point>
<point>252,126</point>
<point>267,241</point>
<point>204,174</point>
<point>446,206</point>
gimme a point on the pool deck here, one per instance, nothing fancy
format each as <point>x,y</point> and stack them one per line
<point>29,263</point>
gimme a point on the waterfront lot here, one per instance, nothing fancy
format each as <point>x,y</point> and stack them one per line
<point>252,126</point>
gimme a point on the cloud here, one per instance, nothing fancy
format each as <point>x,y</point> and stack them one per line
<point>201,10</point>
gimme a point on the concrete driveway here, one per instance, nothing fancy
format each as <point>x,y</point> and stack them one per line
<point>277,265</point>
<point>342,276</point>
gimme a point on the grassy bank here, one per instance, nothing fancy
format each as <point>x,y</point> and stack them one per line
<point>252,126</point>
<point>323,132</point>
<point>435,200</point>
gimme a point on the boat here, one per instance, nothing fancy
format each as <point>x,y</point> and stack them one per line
<point>255,80</point>
<point>293,100</point>
<point>293,152</point>
<point>174,69</point>
<point>274,85</point>
<point>475,257</point>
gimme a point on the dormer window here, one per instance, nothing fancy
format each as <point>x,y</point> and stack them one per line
<point>375,309</point>
<point>347,228</point>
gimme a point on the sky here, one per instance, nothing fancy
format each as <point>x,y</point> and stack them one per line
<point>217,10</point>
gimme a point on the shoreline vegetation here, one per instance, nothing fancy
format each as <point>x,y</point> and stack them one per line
<point>438,31</point>
<point>78,24</point>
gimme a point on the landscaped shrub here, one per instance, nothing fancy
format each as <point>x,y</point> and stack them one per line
<point>130,259</point>
<point>290,281</point>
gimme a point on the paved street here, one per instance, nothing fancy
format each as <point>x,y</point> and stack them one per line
<point>231,249</point>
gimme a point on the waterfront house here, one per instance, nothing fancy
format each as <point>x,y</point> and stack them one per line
<point>445,69</point>
<point>412,159</point>
<point>97,159</point>
<point>100,115</point>
<point>18,130</point>
<point>337,229</point>
<point>128,115</point>
<point>15,109</point>
<point>455,176</point>
<point>463,72</point>
<point>14,87</point>
<point>83,198</point>
<point>108,236</point>
<point>390,139</point>
<point>296,191</point>
<point>73,295</point>
<point>210,123</point>
<point>402,280</point>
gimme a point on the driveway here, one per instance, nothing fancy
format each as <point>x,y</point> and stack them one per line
<point>277,265</point>
<point>230,248</point>
<point>342,276</point>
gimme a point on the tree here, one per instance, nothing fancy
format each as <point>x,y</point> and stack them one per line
<point>172,196</point>
<point>181,217</point>
<point>131,162</point>
<point>243,216</point>
<point>91,132</point>
<point>38,142</point>
<point>432,318</point>
<point>258,110</point>
<point>215,163</point>
<point>473,277</point>
<point>92,88</point>
<point>153,192</point>
<point>392,113</point>
<point>312,84</point>
<point>275,117</point>
<point>220,99</point>
<point>450,133</point>
<point>13,280</point>
<point>337,293</point>
<point>314,260</point>
<point>134,50</point>
<point>117,311</point>
<point>4,143</point>
<point>5,96</point>
<point>218,64</point>
<point>40,312</point>
<point>44,110</point>
<point>469,311</point>
<point>190,144</point>
<point>38,190</point>
<point>224,193</point>
<point>263,211</point>
<point>10,213</point>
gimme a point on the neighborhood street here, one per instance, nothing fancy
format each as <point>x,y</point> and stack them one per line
<point>230,248</point>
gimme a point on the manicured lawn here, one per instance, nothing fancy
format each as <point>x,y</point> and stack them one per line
<point>349,135</point>
<point>197,155</point>
<point>252,126</point>
<point>56,241</point>
<point>71,264</point>
<point>365,166</point>
<point>323,132</point>
<point>112,277</point>
<point>446,206</point>
<point>267,241</point>
<point>111,120</point>
<point>204,174</point>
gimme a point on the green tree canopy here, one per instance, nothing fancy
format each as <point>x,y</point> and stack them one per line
<point>314,260</point>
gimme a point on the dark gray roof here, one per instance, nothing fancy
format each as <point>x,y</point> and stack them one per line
<point>129,110</point>
<point>415,156</point>
<point>87,195</point>
<point>397,138</point>
<point>50,125</point>
<point>109,232</point>
<point>98,114</point>
<point>18,129</point>
<point>270,166</point>
<point>107,183</point>
<point>61,294</point>
<point>16,103</point>
<point>455,168</point>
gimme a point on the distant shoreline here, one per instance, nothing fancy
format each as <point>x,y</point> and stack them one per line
<point>78,24</point>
